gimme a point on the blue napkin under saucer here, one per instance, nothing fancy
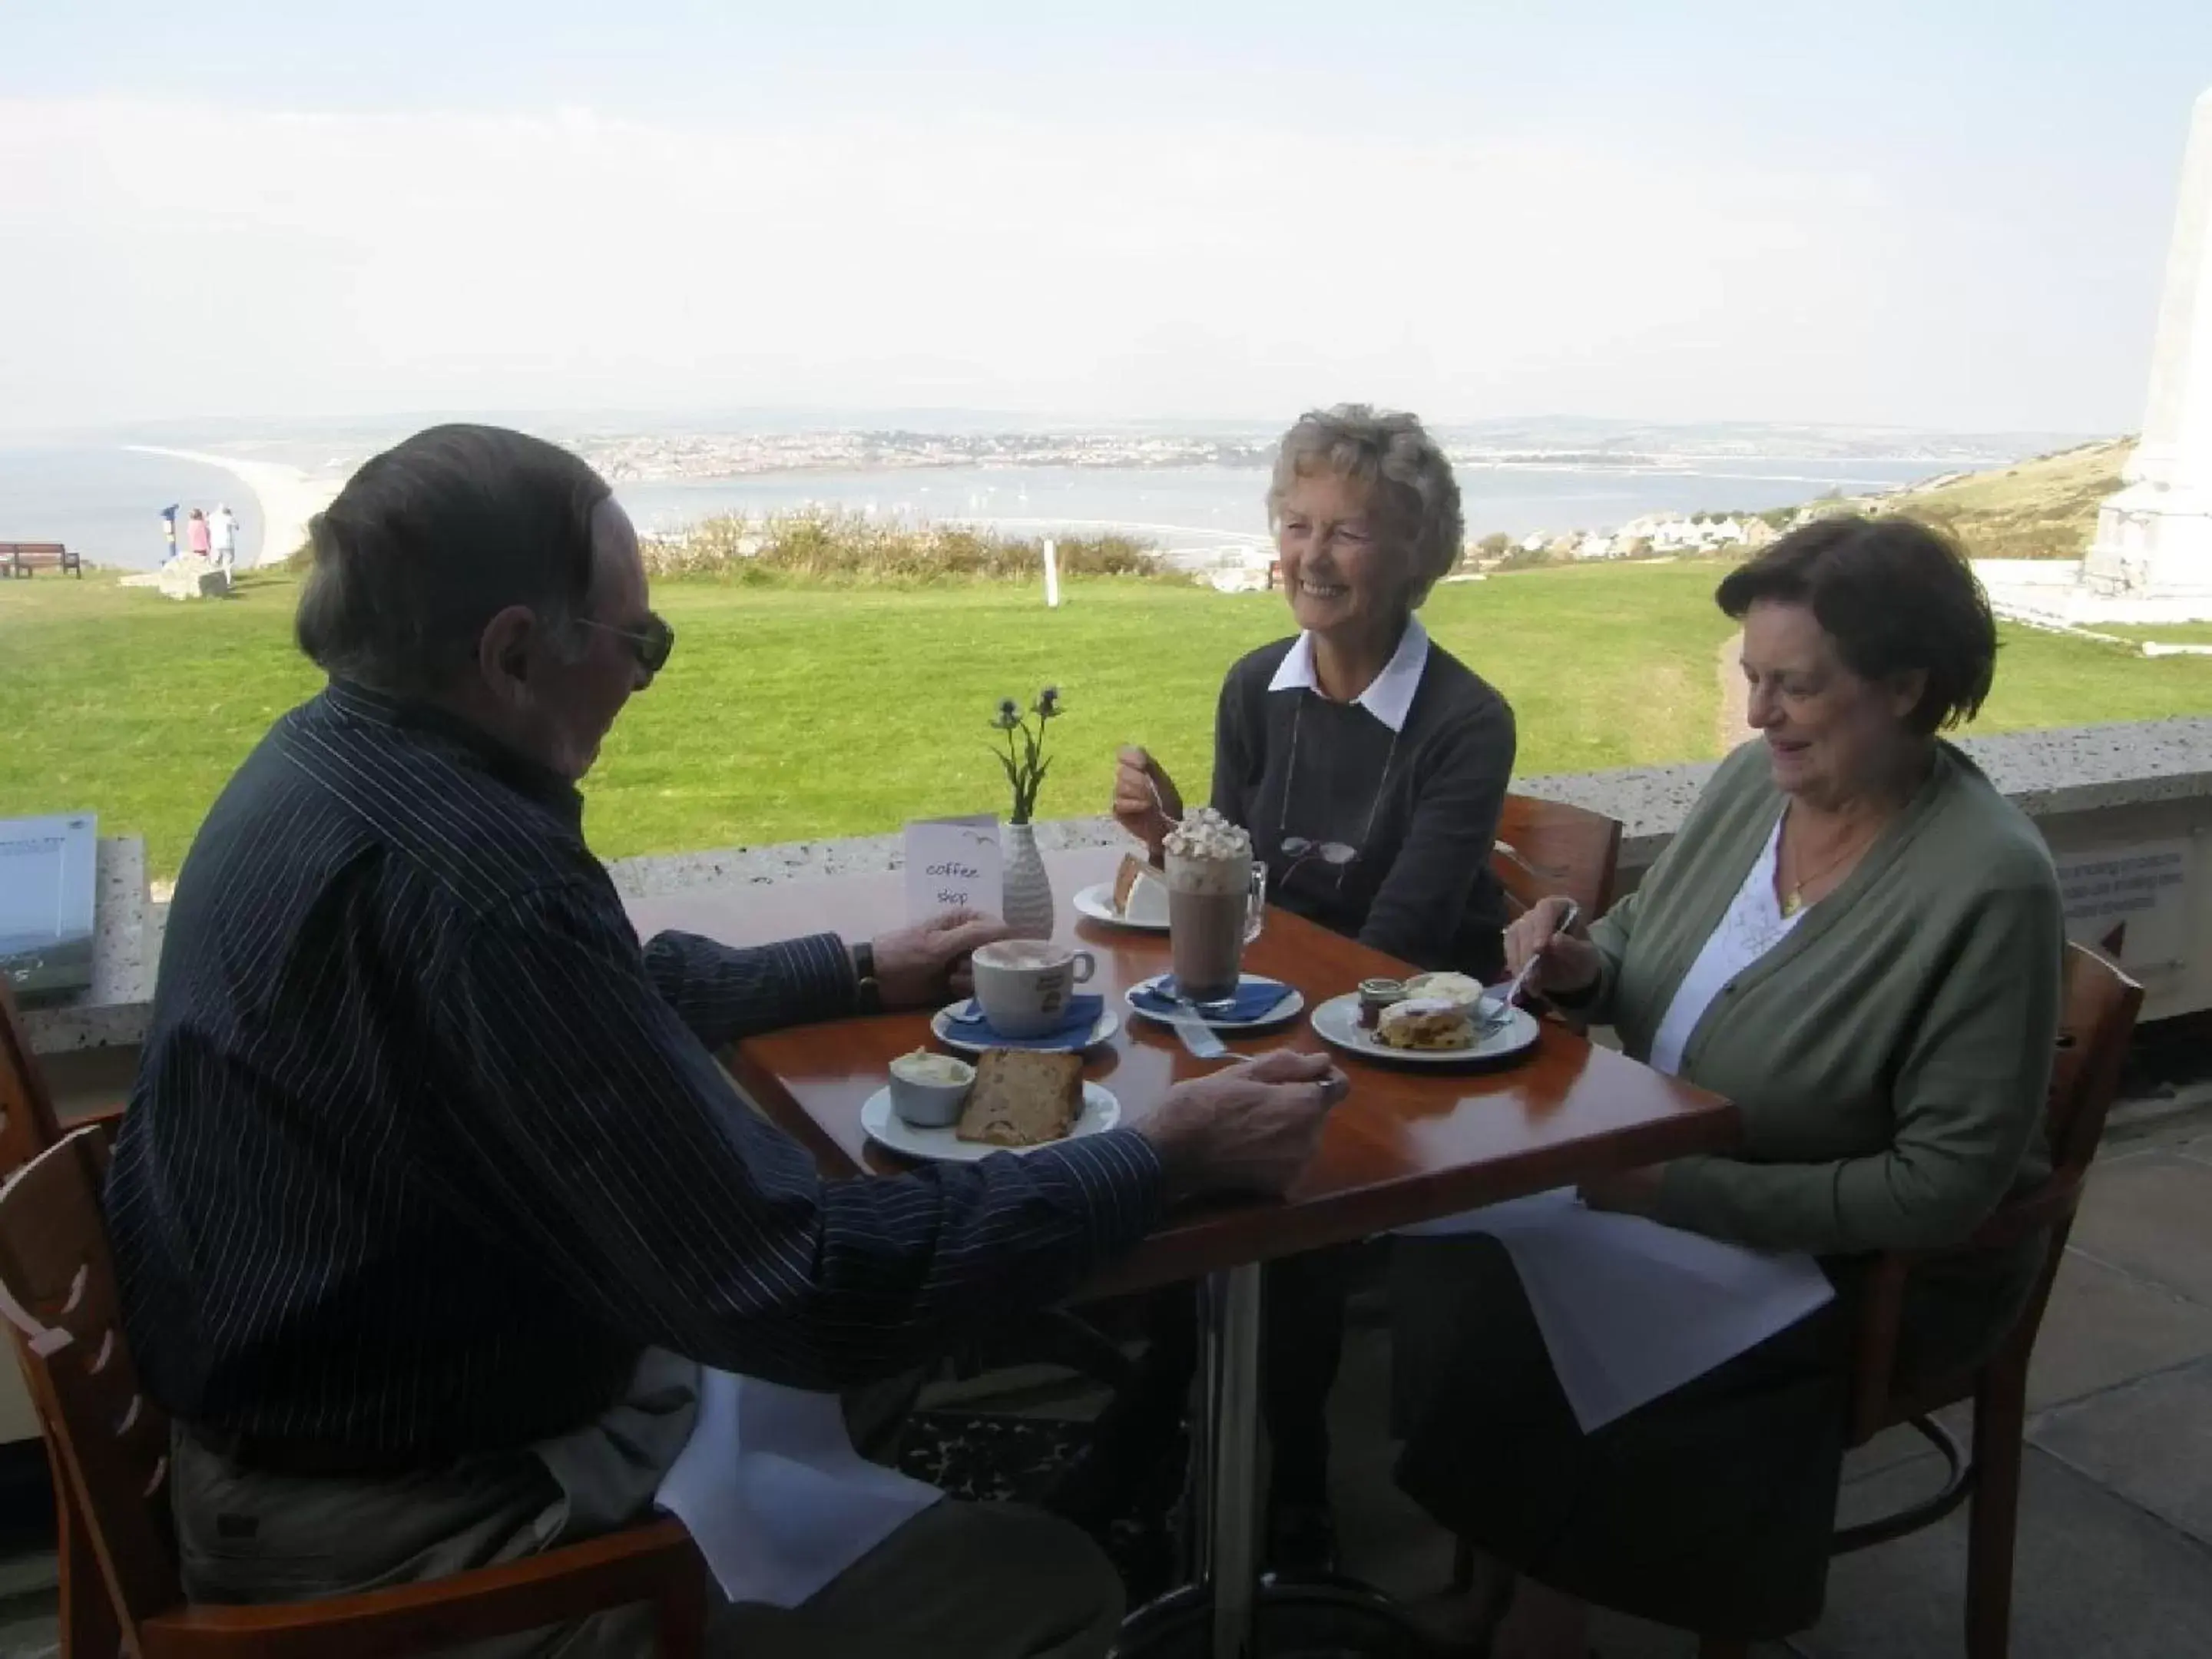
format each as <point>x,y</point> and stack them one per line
<point>1255,999</point>
<point>1074,1031</point>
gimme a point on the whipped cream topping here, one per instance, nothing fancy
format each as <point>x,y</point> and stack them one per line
<point>1207,834</point>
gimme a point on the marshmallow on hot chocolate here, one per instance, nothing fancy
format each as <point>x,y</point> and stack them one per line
<point>1207,834</point>
<point>1207,853</point>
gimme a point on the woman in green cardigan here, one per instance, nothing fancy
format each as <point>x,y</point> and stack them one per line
<point>1859,941</point>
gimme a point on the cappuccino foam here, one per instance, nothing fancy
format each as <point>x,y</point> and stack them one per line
<point>1021,953</point>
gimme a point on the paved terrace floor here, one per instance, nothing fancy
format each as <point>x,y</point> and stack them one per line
<point>2115,1557</point>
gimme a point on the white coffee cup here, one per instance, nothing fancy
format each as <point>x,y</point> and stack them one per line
<point>1023,985</point>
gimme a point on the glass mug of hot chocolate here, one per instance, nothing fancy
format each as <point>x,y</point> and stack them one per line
<point>1217,903</point>
<point>1023,985</point>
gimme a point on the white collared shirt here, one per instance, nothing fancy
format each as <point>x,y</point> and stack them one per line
<point>1753,925</point>
<point>1389,697</point>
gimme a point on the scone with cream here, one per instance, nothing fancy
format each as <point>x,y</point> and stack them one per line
<point>1425,1023</point>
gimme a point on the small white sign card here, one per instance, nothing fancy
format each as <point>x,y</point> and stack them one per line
<point>952,863</point>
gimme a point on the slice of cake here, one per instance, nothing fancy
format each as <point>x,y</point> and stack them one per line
<point>1425,1023</point>
<point>1023,1098</point>
<point>1140,895</point>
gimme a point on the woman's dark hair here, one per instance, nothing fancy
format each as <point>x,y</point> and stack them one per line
<point>431,539</point>
<point>1895,596</point>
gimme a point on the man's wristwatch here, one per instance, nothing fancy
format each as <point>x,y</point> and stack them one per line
<point>864,969</point>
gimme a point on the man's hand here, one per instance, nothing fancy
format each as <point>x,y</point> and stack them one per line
<point>1136,775</point>
<point>1250,1127</point>
<point>1629,1192</point>
<point>926,966</point>
<point>1570,965</point>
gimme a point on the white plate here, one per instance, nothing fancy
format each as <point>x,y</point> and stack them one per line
<point>1337,1022</point>
<point>942,1028</point>
<point>1288,1008</point>
<point>1101,1112</point>
<point>1096,901</point>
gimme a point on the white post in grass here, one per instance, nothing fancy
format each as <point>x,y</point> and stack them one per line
<point>1051,577</point>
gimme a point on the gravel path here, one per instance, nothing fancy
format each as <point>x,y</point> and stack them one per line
<point>1731,719</point>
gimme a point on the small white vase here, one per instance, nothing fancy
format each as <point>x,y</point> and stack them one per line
<point>1027,902</point>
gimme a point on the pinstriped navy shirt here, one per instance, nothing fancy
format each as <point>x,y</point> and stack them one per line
<point>425,1148</point>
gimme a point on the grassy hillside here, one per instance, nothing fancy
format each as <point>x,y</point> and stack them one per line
<point>2044,508</point>
<point>792,713</point>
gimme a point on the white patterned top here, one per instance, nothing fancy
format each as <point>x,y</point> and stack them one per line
<point>1753,925</point>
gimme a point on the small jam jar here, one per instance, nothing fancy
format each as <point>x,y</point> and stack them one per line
<point>1375,995</point>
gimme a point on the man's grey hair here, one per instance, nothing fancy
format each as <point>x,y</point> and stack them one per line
<point>1412,496</point>
<point>431,539</point>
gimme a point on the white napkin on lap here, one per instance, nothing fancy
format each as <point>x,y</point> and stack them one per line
<point>773,1493</point>
<point>1630,1309</point>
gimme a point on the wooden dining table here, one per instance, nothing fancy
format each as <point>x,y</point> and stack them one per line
<point>1410,1143</point>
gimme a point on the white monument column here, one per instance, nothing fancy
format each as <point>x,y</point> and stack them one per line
<point>2154,537</point>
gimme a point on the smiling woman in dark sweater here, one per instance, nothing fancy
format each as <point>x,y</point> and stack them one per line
<point>1369,766</point>
<point>1359,733</point>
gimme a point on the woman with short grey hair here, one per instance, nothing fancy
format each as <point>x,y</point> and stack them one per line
<point>1420,501</point>
<point>1369,766</point>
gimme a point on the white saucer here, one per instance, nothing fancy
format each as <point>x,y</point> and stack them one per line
<point>1336,1022</point>
<point>1101,1112</point>
<point>1096,901</point>
<point>1287,1009</point>
<point>942,1028</point>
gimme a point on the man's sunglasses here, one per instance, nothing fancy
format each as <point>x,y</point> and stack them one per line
<point>650,642</point>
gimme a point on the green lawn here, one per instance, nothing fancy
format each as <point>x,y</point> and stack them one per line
<point>792,714</point>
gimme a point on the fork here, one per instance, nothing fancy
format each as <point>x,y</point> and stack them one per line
<point>1519,983</point>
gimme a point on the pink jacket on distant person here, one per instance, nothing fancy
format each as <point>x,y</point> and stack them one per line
<point>196,533</point>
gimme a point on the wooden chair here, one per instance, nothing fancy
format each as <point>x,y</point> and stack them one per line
<point>2098,1018</point>
<point>1546,846</point>
<point>57,1288</point>
<point>28,1126</point>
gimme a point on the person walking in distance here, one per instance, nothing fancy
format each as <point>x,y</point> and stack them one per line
<point>222,538</point>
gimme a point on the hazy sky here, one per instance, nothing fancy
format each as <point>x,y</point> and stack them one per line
<point>1930,214</point>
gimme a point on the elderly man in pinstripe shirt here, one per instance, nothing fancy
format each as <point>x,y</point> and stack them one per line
<point>431,1199</point>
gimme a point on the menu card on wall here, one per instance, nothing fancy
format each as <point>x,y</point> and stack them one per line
<point>952,863</point>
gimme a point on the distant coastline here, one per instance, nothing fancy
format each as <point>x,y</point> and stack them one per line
<point>1191,491</point>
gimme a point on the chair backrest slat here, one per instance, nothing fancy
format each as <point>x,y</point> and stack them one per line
<point>2097,1018</point>
<point>1546,846</point>
<point>27,1124</point>
<point>58,1279</point>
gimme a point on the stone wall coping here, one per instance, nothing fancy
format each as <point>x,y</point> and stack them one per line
<point>2047,774</point>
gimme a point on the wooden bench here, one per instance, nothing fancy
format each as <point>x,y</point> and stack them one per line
<point>21,558</point>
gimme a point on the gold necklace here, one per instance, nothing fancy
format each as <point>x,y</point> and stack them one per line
<point>1794,900</point>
